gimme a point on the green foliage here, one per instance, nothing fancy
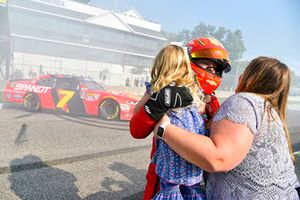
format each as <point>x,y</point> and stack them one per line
<point>184,35</point>
<point>234,44</point>
<point>172,37</point>
<point>232,40</point>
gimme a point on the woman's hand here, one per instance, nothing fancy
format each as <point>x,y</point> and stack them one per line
<point>163,122</point>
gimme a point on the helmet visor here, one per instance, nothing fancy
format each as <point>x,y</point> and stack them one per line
<point>223,65</point>
<point>210,53</point>
<point>216,68</point>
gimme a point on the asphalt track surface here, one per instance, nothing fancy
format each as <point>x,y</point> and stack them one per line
<point>56,156</point>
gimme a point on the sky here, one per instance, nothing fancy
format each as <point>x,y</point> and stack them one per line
<point>269,27</point>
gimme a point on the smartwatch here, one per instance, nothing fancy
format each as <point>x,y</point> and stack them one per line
<point>161,130</point>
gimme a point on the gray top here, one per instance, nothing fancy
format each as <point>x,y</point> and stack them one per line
<point>267,172</point>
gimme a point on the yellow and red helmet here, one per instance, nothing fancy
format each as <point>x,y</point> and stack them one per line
<point>206,48</point>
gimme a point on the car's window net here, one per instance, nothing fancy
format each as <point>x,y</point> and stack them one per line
<point>92,85</point>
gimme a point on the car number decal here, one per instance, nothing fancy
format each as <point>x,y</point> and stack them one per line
<point>67,95</point>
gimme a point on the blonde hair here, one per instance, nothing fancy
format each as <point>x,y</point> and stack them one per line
<point>173,65</point>
<point>269,78</point>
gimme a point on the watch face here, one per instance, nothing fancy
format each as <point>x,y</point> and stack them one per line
<point>160,131</point>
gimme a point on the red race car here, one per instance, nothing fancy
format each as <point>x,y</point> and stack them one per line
<point>71,94</point>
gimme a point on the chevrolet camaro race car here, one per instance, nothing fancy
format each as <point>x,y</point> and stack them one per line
<point>70,94</point>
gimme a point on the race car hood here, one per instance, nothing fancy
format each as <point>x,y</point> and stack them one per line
<point>123,94</point>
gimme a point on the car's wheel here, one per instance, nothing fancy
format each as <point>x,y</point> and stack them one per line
<point>109,110</point>
<point>32,102</point>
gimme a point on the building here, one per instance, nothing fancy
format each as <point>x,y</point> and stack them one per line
<point>63,36</point>
<point>4,41</point>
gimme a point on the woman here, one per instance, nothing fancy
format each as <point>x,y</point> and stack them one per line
<point>248,152</point>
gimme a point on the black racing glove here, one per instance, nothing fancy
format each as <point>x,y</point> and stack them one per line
<point>168,97</point>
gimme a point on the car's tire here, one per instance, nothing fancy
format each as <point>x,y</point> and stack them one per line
<point>109,110</point>
<point>32,102</point>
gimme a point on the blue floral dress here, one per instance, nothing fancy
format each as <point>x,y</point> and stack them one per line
<point>179,178</point>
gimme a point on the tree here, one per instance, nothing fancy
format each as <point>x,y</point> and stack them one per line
<point>232,40</point>
<point>200,30</point>
<point>220,33</point>
<point>184,35</point>
<point>172,37</point>
<point>234,44</point>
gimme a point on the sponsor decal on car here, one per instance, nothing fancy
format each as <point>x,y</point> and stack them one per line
<point>124,107</point>
<point>31,88</point>
<point>16,96</point>
<point>91,96</point>
<point>94,101</point>
<point>97,96</point>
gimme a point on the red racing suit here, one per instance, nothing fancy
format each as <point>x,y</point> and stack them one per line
<point>141,125</point>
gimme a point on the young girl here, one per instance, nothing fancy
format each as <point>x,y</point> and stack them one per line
<point>179,179</point>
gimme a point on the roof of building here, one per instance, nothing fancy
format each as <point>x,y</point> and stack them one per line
<point>130,20</point>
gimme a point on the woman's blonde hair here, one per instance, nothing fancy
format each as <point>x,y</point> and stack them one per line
<point>269,78</point>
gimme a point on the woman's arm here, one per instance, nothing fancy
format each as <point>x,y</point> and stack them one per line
<point>226,147</point>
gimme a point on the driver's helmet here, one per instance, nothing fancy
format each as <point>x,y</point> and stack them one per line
<point>213,50</point>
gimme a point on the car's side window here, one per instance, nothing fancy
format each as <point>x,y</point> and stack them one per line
<point>67,84</point>
<point>48,82</point>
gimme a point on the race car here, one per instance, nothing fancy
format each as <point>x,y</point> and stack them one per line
<point>70,94</point>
